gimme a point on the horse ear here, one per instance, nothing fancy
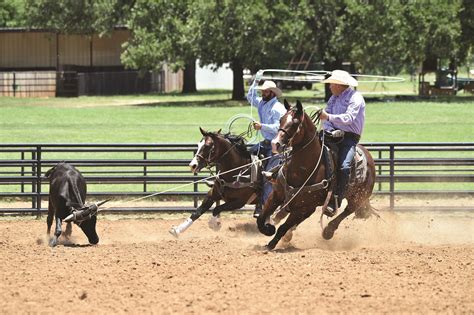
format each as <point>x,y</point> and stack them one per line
<point>203,132</point>
<point>219,131</point>
<point>287,105</point>
<point>299,108</point>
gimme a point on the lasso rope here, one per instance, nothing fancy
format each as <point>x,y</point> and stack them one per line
<point>319,75</point>
<point>191,183</point>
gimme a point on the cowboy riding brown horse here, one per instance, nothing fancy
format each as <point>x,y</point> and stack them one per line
<point>303,183</point>
<point>237,182</point>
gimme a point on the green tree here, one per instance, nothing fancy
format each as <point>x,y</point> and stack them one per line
<point>439,33</point>
<point>77,16</point>
<point>249,34</point>
<point>7,12</point>
<point>65,16</point>
<point>379,36</point>
<point>161,33</point>
<point>466,16</point>
<point>11,13</point>
<point>374,36</point>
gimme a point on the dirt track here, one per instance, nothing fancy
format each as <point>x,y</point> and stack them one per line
<point>407,262</point>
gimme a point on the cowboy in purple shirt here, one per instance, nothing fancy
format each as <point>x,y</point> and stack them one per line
<point>346,112</point>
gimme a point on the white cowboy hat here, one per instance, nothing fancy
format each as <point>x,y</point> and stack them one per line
<point>341,77</point>
<point>270,85</point>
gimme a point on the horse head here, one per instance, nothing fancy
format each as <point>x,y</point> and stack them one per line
<point>208,150</point>
<point>289,132</point>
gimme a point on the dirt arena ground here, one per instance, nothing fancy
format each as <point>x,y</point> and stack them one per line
<point>405,262</point>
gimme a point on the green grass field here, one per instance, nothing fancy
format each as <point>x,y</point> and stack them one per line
<point>174,118</point>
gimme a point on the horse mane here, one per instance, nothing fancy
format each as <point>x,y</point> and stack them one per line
<point>239,143</point>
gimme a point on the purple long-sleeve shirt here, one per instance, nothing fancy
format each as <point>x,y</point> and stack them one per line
<point>346,112</point>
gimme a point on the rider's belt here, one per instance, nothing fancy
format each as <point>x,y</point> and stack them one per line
<point>352,136</point>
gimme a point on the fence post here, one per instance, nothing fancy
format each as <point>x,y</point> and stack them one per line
<point>380,170</point>
<point>33,173</point>
<point>22,185</point>
<point>144,171</point>
<point>14,85</point>
<point>195,198</point>
<point>392,174</point>
<point>38,181</point>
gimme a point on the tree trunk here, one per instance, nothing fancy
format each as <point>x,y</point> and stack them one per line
<point>189,77</point>
<point>330,66</point>
<point>238,92</point>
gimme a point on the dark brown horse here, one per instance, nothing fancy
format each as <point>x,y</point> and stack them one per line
<point>237,182</point>
<point>302,183</point>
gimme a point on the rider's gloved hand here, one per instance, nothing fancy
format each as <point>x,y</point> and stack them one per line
<point>324,115</point>
<point>259,75</point>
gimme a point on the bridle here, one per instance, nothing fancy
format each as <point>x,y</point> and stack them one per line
<point>208,161</point>
<point>315,120</point>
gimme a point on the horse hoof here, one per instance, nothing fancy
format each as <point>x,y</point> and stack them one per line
<point>215,223</point>
<point>268,230</point>
<point>328,233</point>
<point>270,246</point>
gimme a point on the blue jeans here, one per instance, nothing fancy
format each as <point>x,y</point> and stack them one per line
<point>345,155</point>
<point>265,148</point>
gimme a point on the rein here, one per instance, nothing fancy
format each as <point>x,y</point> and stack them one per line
<point>321,185</point>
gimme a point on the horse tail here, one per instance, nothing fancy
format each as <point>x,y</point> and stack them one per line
<point>366,211</point>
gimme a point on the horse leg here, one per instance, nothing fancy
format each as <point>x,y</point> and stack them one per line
<point>289,235</point>
<point>280,215</point>
<point>205,205</point>
<point>270,206</point>
<point>332,226</point>
<point>214,220</point>
<point>293,220</point>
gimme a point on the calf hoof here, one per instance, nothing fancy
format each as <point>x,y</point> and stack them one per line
<point>328,232</point>
<point>53,242</point>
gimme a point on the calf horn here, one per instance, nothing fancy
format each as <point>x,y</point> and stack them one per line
<point>84,213</point>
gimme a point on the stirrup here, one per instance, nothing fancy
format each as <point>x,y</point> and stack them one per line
<point>331,209</point>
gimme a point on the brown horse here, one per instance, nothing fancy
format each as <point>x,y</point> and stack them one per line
<point>237,182</point>
<point>302,183</point>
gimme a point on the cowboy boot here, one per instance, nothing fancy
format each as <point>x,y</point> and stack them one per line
<point>343,176</point>
<point>258,209</point>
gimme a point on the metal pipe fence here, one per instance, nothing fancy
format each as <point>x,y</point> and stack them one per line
<point>128,171</point>
<point>74,83</point>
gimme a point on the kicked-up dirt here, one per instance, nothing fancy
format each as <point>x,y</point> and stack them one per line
<point>405,262</point>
